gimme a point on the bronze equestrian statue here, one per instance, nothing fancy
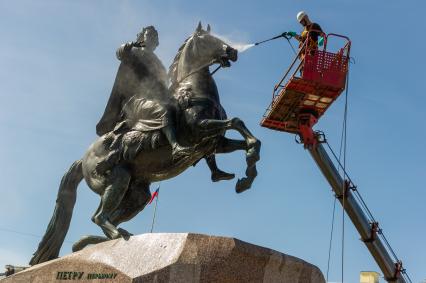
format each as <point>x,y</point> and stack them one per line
<point>141,72</point>
<point>134,150</point>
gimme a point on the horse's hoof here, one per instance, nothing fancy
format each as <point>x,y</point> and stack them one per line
<point>242,185</point>
<point>124,234</point>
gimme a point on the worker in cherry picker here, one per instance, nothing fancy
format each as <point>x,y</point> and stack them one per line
<point>311,30</point>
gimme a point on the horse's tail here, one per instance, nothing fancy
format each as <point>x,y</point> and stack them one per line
<point>59,223</point>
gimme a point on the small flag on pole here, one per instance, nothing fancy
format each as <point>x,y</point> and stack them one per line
<point>154,195</point>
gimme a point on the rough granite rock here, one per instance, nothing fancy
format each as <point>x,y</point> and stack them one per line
<point>180,257</point>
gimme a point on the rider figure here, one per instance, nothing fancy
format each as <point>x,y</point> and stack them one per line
<point>133,79</point>
<point>139,68</point>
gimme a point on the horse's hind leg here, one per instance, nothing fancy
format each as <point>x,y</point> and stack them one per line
<point>110,200</point>
<point>135,200</point>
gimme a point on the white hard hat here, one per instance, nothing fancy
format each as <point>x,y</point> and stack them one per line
<point>301,15</point>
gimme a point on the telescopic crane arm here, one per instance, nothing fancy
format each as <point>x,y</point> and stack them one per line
<point>343,189</point>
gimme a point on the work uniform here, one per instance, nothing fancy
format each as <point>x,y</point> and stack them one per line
<point>314,31</point>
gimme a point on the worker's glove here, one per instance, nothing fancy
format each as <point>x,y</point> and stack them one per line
<point>320,41</point>
<point>291,33</point>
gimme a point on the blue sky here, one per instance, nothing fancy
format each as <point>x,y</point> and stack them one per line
<point>58,65</point>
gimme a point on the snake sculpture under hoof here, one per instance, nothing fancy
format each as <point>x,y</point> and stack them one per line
<point>140,135</point>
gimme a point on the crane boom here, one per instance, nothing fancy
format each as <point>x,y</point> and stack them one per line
<point>342,188</point>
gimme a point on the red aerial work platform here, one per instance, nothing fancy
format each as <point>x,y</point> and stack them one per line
<point>314,84</point>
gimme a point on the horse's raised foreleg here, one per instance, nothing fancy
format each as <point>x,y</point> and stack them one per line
<point>252,145</point>
<point>211,126</point>
<point>110,200</point>
<point>226,145</point>
<point>252,155</point>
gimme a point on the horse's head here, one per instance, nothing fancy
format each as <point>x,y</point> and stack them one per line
<point>201,50</point>
<point>208,48</point>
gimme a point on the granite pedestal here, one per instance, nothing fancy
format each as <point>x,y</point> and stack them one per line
<point>180,258</point>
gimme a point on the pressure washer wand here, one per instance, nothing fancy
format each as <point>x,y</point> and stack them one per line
<point>275,37</point>
<point>286,35</point>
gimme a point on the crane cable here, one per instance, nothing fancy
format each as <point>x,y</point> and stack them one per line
<point>343,143</point>
<point>331,238</point>
<point>342,147</point>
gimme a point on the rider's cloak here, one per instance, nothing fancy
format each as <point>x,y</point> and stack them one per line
<point>140,74</point>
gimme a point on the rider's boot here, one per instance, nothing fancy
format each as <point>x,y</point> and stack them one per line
<point>177,149</point>
<point>217,174</point>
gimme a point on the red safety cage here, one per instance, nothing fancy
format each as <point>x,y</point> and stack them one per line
<point>310,85</point>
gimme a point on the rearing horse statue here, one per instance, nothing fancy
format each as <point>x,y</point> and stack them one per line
<point>147,157</point>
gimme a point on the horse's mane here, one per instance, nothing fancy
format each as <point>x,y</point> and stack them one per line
<point>173,69</point>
